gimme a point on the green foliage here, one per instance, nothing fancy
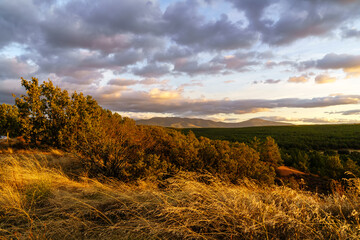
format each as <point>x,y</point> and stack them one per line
<point>297,159</point>
<point>268,149</point>
<point>306,137</point>
<point>320,149</point>
<point>9,120</point>
<point>114,146</point>
<point>31,111</point>
<point>56,106</point>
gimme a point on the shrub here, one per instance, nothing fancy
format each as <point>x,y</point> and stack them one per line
<point>116,147</point>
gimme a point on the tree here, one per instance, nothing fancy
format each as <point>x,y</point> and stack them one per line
<point>268,149</point>
<point>31,111</point>
<point>9,120</point>
<point>56,103</point>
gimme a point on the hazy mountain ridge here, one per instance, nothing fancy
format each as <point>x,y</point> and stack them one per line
<point>178,122</point>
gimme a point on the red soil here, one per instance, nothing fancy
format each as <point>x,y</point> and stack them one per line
<point>284,171</point>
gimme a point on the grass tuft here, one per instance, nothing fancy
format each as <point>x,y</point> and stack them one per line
<point>38,200</point>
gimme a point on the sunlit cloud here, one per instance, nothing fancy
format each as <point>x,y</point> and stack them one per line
<point>322,120</point>
<point>156,93</point>
<point>321,79</point>
<point>299,79</point>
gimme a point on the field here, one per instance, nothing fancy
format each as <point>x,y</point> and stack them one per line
<point>303,137</point>
<point>45,195</point>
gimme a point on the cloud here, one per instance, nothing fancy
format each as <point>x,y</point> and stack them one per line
<point>188,28</point>
<point>283,22</point>
<point>229,81</point>
<point>173,53</point>
<point>321,79</point>
<point>123,82</point>
<point>136,16</point>
<point>309,120</point>
<point>152,70</point>
<point>350,64</point>
<point>267,81</point>
<point>9,87</point>
<point>121,36</point>
<point>239,61</point>
<point>193,83</point>
<point>152,81</point>
<point>153,101</point>
<point>18,24</point>
<point>272,81</point>
<point>350,33</point>
<point>160,94</point>
<point>349,112</point>
<point>81,65</point>
<point>333,61</point>
<point>79,43</point>
<point>130,82</point>
<point>11,68</point>
<point>299,79</point>
<point>193,67</point>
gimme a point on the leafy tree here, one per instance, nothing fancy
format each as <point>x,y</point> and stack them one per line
<point>296,158</point>
<point>268,149</point>
<point>56,103</point>
<point>270,153</point>
<point>9,120</point>
<point>31,111</point>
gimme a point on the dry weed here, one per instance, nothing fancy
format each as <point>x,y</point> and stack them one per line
<point>38,201</point>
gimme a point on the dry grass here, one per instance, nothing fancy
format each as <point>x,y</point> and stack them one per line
<point>39,201</point>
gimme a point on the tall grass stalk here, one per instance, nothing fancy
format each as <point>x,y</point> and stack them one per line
<point>39,201</point>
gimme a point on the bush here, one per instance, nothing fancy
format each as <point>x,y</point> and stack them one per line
<point>116,147</point>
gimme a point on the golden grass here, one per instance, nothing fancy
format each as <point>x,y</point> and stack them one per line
<point>40,201</point>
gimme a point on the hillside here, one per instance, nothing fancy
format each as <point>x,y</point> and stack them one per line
<point>177,122</point>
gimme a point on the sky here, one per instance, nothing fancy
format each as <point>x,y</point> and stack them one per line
<point>296,61</point>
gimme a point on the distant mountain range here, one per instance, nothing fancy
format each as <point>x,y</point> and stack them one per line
<point>177,122</point>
